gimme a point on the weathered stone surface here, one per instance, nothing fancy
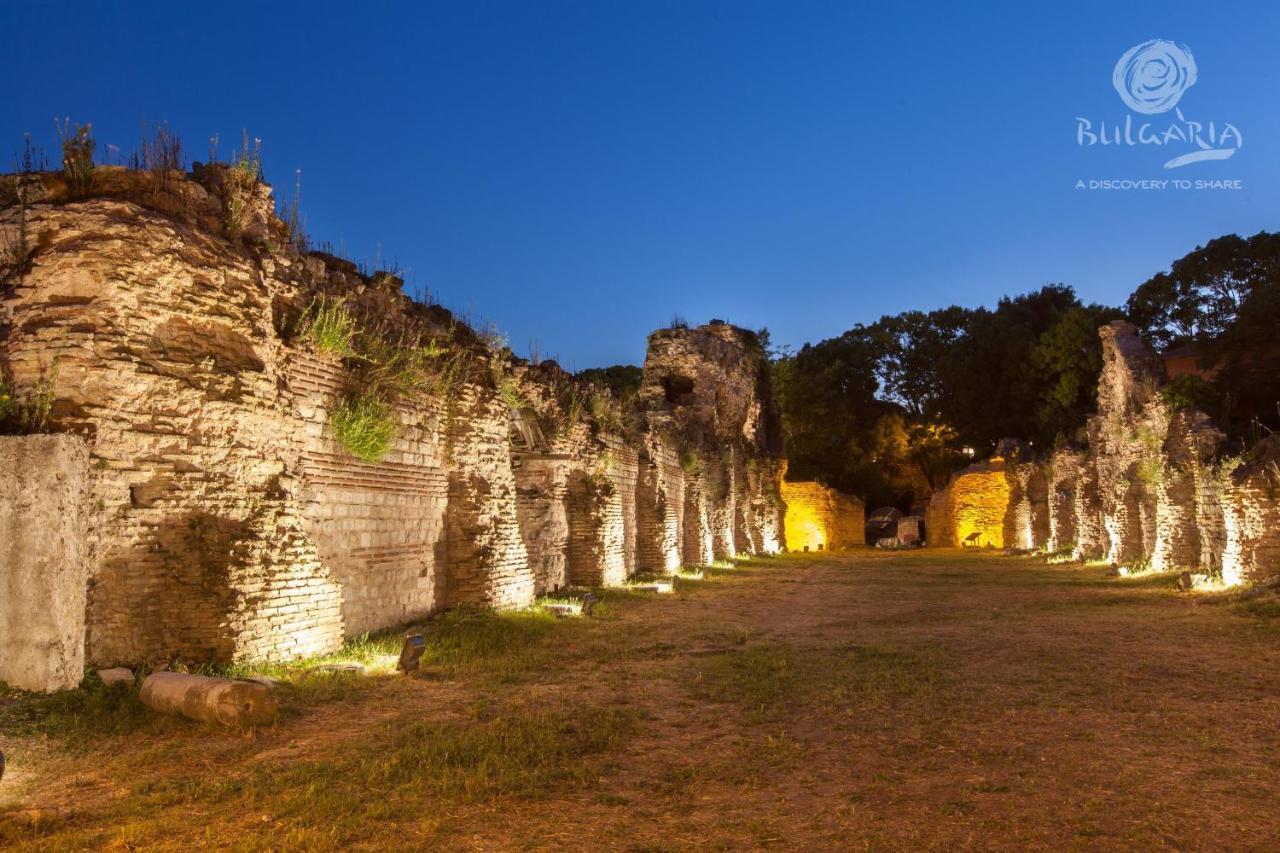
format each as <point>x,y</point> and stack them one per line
<point>225,701</point>
<point>117,676</point>
<point>229,522</point>
<point>1026,523</point>
<point>818,515</point>
<point>1251,508</point>
<point>46,527</point>
<point>706,393</point>
<point>1063,482</point>
<point>1150,488</point>
<point>972,510</point>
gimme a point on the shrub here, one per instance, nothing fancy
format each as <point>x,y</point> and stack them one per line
<point>23,414</point>
<point>293,223</point>
<point>511,395</point>
<point>604,412</point>
<point>1151,471</point>
<point>449,374</point>
<point>691,462</point>
<point>242,177</point>
<point>365,425</point>
<point>678,322</point>
<point>77,157</point>
<point>15,245</point>
<point>160,153</point>
<point>396,367</point>
<point>329,326</point>
<point>1187,392</point>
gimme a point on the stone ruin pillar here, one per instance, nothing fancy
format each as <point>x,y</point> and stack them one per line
<point>1063,483</point>
<point>488,563</point>
<point>1125,439</point>
<point>1027,519</point>
<point>541,488</point>
<point>697,522</point>
<point>660,507</point>
<point>1251,516</point>
<point>1188,518</point>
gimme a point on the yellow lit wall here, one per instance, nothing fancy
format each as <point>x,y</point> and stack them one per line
<point>819,516</point>
<point>979,498</point>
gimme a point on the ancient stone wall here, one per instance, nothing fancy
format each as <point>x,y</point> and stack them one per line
<point>819,517</point>
<point>378,527</point>
<point>1026,522</point>
<point>939,520</point>
<point>1152,489</point>
<point>230,522</point>
<point>975,505</point>
<point>1062,478</point>
<point>660,507</point>
<point>46,522</point>
<point>707,394</point>
<point>699,547</point>
<point>542,486</point>
<point>763,508</point>
<point>1251,516</point>
<point>603,517</point>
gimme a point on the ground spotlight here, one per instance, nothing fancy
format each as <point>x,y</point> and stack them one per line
<point>411,653</point>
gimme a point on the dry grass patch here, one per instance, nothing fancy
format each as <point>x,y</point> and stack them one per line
<point>775,679</point>
<point>912,700</point>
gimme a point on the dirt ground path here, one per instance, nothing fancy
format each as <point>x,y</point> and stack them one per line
<point>861,700</point>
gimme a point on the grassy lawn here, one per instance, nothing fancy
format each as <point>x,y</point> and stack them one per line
<point>861,700</point>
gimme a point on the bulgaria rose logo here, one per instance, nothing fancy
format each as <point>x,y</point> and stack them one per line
<point>1152,76</point>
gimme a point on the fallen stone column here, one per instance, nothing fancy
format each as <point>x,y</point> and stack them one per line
<point>228,701</point>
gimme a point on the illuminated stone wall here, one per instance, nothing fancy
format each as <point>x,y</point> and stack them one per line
<point>698,546</point>
<point>821,517</point>
<point>977,501</point>
<point>1062,482</point>
<point>602,514</point>
<point>706,394</point>
<point>1026,523</point>
<point>226,522</point>
<point>763,507</point>
<point>1251,515</point>
<point>660,507</point>
<point>541,488</point>
<point>377,527</point>
<point>1152,489</point>
<point>939,524</point>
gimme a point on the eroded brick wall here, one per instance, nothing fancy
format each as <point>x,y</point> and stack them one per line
<point>378,528</point>
<point>1151,489</point>
<point>660,508</point>
<point>229,522</point>
<point>1251,513</point>
<point>818,516</point>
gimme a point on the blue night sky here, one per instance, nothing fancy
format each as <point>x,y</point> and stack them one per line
<point>577,173</point>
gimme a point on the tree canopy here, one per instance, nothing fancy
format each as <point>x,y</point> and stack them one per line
<point>886,410</point>
<point>1223,300</point>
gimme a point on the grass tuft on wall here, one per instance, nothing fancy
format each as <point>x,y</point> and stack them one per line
<point>329,326</point>
<point>365,426</point>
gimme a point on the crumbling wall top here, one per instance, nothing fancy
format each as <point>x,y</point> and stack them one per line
<point>1131,372</point>
<point>712,383</point>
